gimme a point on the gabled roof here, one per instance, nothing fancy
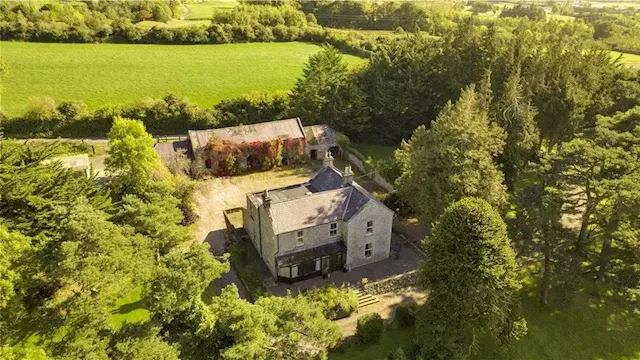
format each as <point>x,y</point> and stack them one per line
<point>321,134</point>
<point>311,210</point>
<point>324,199</point>
<point>266,131</point>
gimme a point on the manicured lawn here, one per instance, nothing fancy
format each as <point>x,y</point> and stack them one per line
<point>102,74</point>
<point>202,10</point>
<point>391,340</point>
<point>377,152</point>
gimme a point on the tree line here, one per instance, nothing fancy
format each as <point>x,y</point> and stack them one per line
<point>70,250</point>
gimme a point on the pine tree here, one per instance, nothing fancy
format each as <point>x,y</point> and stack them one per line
<point>328,93</point>
<point>452,160</point>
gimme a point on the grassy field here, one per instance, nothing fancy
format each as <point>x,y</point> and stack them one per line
<point>202,10</point>
<point>102,74</point>
<point>590,330</point>
<point>631,60</point>
<point>377,152</point>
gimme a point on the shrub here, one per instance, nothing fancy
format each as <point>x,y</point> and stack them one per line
<point>406,313</point>
<point>369,329</point>
<point>336,303</point>
<point>399,355</point>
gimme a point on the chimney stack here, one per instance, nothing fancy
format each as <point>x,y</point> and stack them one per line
<point>266,199</point>
<point>347,175</point>
<point>328,159</point>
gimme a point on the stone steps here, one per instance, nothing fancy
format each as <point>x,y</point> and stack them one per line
<point>365,299</point>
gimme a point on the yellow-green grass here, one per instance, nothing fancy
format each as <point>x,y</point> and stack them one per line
<point>204,10</point>
<point>130,309</point>
<point>375,151</point>
<point>173,23</point>
<point>102,74</point>
<point>631,60</point>
<point>592,328</point>
<point>390,341</point>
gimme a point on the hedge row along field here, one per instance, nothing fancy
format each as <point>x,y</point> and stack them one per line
<point>102,74</point>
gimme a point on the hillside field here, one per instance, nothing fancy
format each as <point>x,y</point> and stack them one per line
<point>102,74</point>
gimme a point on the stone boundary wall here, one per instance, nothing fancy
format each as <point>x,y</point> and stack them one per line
<point>359,164</point>
<point>392,283</point>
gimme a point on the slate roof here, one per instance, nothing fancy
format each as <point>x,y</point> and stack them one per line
<point>321,134</point>
<point>320,201</point>
<point>266,131</point>
<point>168,149</point>
<point>311,210</point>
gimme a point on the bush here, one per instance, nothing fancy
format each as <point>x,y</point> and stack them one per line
<point>406,313</point>
<point>369,329</point>
<point>336,303</point>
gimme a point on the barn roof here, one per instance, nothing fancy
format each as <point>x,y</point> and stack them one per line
<point>266,131</point>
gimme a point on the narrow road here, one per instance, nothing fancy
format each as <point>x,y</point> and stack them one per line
<point>186,15</point>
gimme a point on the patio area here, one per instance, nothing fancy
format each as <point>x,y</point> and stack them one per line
<point>403,258</point>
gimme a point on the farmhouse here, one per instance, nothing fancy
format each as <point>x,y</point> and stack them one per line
<point>261,146</point>
<point>327,224</point>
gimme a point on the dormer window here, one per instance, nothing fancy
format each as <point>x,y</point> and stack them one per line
<point>333,230</point>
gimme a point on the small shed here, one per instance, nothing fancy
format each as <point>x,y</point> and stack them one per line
<point>79,163</point>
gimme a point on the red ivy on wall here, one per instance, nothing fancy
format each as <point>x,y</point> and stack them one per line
<point>229,158</point>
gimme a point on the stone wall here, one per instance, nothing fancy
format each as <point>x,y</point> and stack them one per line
<point>392,283</point>
<point>359,164</point>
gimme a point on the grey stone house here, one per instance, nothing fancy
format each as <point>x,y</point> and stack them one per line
<point>327,224</point>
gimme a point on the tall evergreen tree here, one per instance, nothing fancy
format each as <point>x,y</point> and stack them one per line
<point>328,93</point>
<point>515,114</point>
<point>472,280</point>
<point>453,159</point>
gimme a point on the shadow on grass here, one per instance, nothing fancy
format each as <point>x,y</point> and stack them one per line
<point>127,308</point>
<point>591,328</point>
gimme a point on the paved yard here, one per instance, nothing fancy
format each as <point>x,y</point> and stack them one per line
<point>218,194</point>
<point>404,258</point>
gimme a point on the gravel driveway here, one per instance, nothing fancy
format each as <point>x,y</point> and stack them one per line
<point>218,194</point>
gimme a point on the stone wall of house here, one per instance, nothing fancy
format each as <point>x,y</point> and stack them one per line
<point>359,164</point>
<point>392,283</point>
<point>357,237</point>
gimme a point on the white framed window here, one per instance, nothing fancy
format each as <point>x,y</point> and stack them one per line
<point>369,227</point>
<point>300,238</point>
<point>368,250</point>
<point>294,271</point>
<point>284,271</point>
<point>333,229</point>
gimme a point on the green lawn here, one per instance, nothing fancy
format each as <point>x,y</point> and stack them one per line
<point>631,60</point>
<point>391,340</point>
<point>204,10</point>
<point>131,309</point>
<point>590,330</point>
<point>102,74</point>
<point>377,152</point>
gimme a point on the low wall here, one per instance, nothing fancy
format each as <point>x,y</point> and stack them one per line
<point>393,283</point>
<point>360,165</point>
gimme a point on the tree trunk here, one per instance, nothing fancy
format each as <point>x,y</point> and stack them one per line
<point>603,257</point>
<point>544,287</point>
